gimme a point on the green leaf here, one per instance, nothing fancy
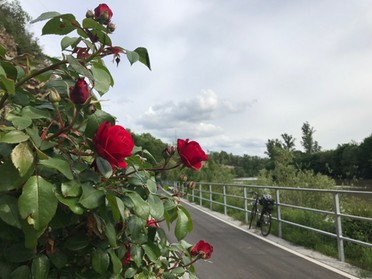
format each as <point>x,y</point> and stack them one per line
<point>95,120</point>
<point>20,122</point>
<point>17,253</point>
<point>37,202</point>
<point>22,157</point>
<point>110,233</point>
<point>61,165</point>
<point>2,52</point>
<point>91,23</point>
<point>151,185</point>
<point>102,78</point>
<point>71,188</point>
<point>183,225</point>
<point>9,211</point>
<point>12,180</point>
<point>91,198</point>
<point>152,251</point>
<point>40,267</point>
<point>35,113</point>
<point>7,84</point>
<point>104,167</point>
<point>132,56</point>
<point>72,203</point>
<point>45,16</point>
<point>130,272</point>
<point>80,69</point>
<point>68,41</point>
<point>60,25</point>
<point>144,56</point>
<point>141,208</point>
<point>58,259</point>
<point>100,261</point>
<point>117,207</point>
<point>156,206</point>
<point>34,135</point>
<point>116,263</point>
<point>31,235</point>
<point>21,272</point>
<point>77,242</point>
<point>14,136</point>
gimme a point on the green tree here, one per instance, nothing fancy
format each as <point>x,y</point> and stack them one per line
<point>288,142</point>
<point>14,20</point>
<point>309,144</point>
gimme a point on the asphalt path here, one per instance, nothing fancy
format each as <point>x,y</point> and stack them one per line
<point>238,254</point>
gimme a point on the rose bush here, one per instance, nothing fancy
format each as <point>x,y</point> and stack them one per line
<point>78,198</point>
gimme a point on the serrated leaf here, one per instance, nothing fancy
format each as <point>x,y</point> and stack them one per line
<point>22,157</point>
<point>183,225</point>
<point>45,16</point>
<point>12,180</point>
<point>104,167</point>
<point>91,198</point>
<point>80,69</point>
<point>152,251</point>
<point>35,113</point>
<point>20,122</point>
<point>9,211</point>
<point>116,263</point>
<point>132,56</point>
<point>143,56</point>
<point>68,41</point>
<point>71,188</point>
<point>102,78</point>
<point>60,25</point>
<point>14,136</point>
<point>151,185</point>
<point>72,203</point>
<point>40,267</point>
<point>37,202</point>
<point>91,23</point>
<point>100,261</point>
<point>156,206</point>
<point>7,84</point>
<point>61,165</point>
<point>141,208</point>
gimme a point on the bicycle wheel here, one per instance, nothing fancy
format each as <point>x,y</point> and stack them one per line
<point>265,221</point>
<point>253,215</point>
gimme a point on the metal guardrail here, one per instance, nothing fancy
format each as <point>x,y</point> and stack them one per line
<point>203,189</point>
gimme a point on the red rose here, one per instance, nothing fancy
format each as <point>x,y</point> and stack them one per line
<point>113,143</point>
<point>126,259</point>
<point>80,92</point>
<point>152,223</point>
<point>103,13</point>
<point>202,248</point>
<point>191,153</point>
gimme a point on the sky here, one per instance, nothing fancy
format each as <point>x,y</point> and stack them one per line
<point>233,74</point>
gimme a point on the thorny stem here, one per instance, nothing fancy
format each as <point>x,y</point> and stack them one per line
<point>61,131</point>
<point>147,169</point>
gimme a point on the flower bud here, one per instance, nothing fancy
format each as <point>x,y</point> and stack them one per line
<point>191,185</point>
<point>111,27</point>
<point>54,96</point>
<point>89,14</point>
<point>103,13</point>
<point>91,109</point>
<point>80,92</point>
<point>169,151</point>
<point>183,177</point>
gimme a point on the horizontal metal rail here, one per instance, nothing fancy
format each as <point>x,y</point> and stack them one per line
<point>206,192</point>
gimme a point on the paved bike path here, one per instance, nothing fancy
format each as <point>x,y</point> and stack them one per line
<point>238,254</point>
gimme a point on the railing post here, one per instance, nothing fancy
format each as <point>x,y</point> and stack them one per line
<point>278,212</point>
<point>193,195</point>
<point>245,204</point>
<point>210,197</point>
<point>200,195</point>
<point>224,200</point>
<point>340,241</point>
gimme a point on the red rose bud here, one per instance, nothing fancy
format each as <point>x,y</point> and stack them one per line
<point>191,153</point>
<point>114,144</point>
<point>103,13</point>
<point>152,223</point>
<point>80,92</point>
<point>202,249</point>
<point>126,259</point>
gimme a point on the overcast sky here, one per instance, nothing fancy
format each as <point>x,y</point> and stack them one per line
<point>232,74</point>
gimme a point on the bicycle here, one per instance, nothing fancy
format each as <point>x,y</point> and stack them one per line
<point>264,222</point>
